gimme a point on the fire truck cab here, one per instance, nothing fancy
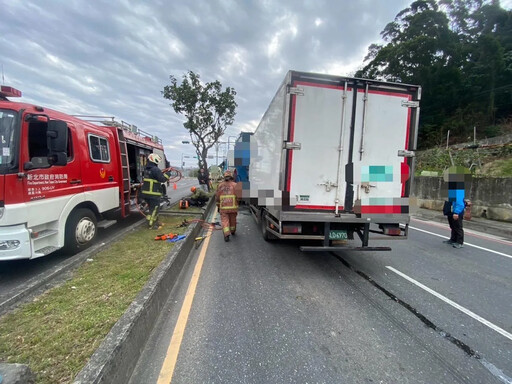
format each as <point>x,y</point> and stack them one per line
<point>62,177</point>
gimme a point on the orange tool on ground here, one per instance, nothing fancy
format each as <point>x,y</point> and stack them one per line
<point>167,236</point>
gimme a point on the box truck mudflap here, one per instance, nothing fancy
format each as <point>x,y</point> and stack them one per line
<point>332,160</point>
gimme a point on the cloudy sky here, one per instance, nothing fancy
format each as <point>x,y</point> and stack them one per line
<point>113,57</point>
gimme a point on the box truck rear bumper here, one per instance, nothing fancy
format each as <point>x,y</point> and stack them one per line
<point>341,218</point>
<point>333,231</point>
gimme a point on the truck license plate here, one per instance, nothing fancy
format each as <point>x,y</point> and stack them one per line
<point>338,235</point>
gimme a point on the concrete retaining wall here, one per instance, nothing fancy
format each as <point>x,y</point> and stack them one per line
<point>489,196</point>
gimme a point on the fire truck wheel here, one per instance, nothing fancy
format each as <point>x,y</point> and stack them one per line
<point>267,236</point>
<point>80,230</point>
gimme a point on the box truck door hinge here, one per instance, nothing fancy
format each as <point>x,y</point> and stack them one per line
<point>410,104</point>
<point>329,185</point>
<point>296,91</point>
<point>292,145</point>
<point>405,153</point>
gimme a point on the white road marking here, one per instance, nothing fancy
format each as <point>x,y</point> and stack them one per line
<point>486,236</point>
<point>465,244</point>
<point>453,304</point>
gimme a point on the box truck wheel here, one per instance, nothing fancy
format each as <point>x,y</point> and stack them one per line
<point>80,230</point>
<point>267,236</point>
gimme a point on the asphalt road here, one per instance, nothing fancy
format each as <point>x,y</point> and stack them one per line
<point>16,276</point>
<point>267,313</point>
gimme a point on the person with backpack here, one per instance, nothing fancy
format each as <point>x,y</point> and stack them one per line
<point>454,207</point>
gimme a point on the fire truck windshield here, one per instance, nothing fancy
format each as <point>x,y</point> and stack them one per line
<point>8,135</point>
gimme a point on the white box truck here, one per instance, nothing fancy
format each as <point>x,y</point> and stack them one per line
<point>332,160</point>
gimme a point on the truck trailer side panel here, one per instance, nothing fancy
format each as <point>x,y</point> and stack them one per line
<point>267,154</point>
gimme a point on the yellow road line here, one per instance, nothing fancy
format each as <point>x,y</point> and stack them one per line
<point>171,357</point>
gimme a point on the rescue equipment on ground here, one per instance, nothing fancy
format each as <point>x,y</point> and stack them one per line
<point>168,236</point>
<point>177,238</point>
<point>198,240</point>
<point>184,223</point>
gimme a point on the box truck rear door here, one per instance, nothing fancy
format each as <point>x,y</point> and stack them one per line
<point>318,122</point>
<point>383,124</point>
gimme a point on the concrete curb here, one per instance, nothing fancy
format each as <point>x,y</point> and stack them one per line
<point>116,357</point>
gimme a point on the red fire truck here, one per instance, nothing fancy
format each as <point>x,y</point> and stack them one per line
<point>63,177</point>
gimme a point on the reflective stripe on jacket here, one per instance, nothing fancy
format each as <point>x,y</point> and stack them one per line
<point>226,197</point>
<point>152,187</point>
<point>153,177</point>
<point>227,202</point>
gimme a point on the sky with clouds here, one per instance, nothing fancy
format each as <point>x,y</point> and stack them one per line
<point>113,57</point>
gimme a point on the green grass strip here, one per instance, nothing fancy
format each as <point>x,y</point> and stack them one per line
<point>58,332</point>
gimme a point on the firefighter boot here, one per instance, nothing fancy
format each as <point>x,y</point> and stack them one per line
<point>157,225</point>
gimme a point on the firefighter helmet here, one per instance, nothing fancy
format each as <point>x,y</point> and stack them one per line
<point>154,158</point>
<point>192,189</point>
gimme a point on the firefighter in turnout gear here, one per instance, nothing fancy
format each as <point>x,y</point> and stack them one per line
<point>227,197</point>
<point>152,189</point>
<point>199,197</point>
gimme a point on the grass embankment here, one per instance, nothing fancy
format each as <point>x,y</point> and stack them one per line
<point>492,162</point>
<point>58,332</point>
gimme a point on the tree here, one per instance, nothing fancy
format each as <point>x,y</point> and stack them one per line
<point>459,51</point>
<point>420,49</point>
<point>208,110</point>
<point>418,40</point>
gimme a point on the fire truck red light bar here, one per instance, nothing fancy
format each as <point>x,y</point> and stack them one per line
<point>9,91</point>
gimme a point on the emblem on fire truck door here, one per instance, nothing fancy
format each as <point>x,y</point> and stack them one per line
<point>102,173</point>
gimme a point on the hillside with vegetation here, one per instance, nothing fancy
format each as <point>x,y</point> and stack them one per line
<point>484,160</point>
<point>460,52</point>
